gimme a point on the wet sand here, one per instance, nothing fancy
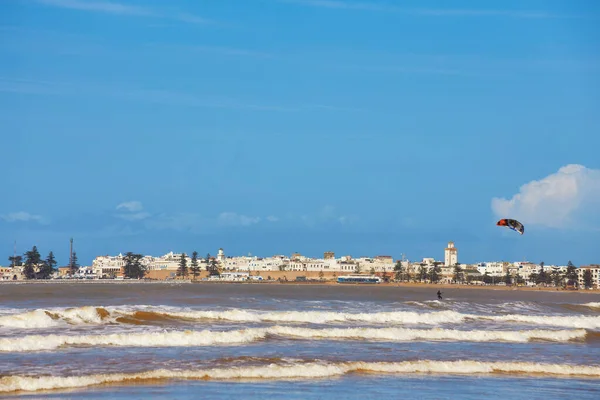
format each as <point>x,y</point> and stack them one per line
<point>139,292</point>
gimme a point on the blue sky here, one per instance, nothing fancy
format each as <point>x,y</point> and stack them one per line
<point>272,127</point>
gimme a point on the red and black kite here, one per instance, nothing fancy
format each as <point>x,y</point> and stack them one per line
<point>512,224</point>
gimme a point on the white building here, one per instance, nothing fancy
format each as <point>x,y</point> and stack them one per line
<point>492,268</point>
<point>105,266</point>
<point>450,255</point>
<point>595,269</point>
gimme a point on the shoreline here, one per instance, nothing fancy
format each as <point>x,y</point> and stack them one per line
<point>313,283</point>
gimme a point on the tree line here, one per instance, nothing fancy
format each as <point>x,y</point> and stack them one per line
<point>135,269</point>
<point>194,268</point>
<point>34,267</point>
<point>569,277</point>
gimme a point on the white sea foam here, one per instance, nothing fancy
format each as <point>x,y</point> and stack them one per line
<point>594,304</point>
<point>400,334</point>
<point>97,315</point>
<point>323,317</point>
<point>573,321</point>
<point>42,318</point>
<point>207,337</point>
<point>28,320</point>
<point>144,339</point>
<point>294,371</point>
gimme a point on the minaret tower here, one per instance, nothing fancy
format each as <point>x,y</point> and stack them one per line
<point>450,255</point>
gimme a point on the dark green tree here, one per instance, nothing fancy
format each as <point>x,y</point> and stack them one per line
<point>587,278</point>
<point>519,279</point>
<point>422,273</point>
<point>134,268</point>
<point>33,260</point>
<point>487,279</point>
<point>533,277</point>
<point>507,278</point>
<point>15,261</point>
<point>571,274</point>
<point>398,271</point>
<point>182,270</point>
<point>557,278</point>
<point>458,274</point>
<point>542,277</point>
<point>385,276</point>
<point>211,266</point>
<point>372,272</point>
<point>194,267</point>
<point>207,261</point>
<point>434,274</point>
<point>74,264</point>
<point>47,268</point>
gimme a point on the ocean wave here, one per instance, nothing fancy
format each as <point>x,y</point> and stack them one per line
<point>242,336</point>
<point>573,321</point>
<point>162,314</point>
<point>594,304</point>
<point>49,318</point>
<point>299,371</point>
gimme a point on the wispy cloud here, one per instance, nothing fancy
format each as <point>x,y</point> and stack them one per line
<point>326,216</point>
<point>97,6</point>
<point>340,4</point>
<point>222,50</point>
<point>22,216</point>
<point>132,211</point>
<point>131,206</point>
<point>568,198</point>
<point>433,12</point>
<point>122,9</point>
<point>233,219</point>
<point>165,97</point>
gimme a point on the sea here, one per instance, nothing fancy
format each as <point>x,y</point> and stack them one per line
<point>137,340</point>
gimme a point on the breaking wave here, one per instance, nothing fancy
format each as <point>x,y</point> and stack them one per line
<point>594,304</point>
<point>573,321</point>
<point>235,337</point>
<point>299,370</point>
<point>46,319</point>
<point>98,315</point>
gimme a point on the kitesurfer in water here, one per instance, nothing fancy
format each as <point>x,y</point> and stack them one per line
<point>439,295</point>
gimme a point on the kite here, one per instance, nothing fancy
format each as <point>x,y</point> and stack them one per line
<point>512,224</point>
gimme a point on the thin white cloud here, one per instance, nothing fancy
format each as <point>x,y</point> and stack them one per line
<point>433,12</point>
<point>133,211</point>
<point>22,216</point>
<point>182,222</point>
<point>131,206</point>
<point>228,51</point>
<point>164,97</point>
<point>97,6</point>
<point>569,197</point>
<point>134,216</point>
<point>234,219</point>
<point>325,215</point>
<point>272,218</point>
<point>114,8</point>
<point>340,4</point>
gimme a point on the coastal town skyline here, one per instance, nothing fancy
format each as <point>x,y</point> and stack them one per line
<point>376,269</point>
<point>448,256</point>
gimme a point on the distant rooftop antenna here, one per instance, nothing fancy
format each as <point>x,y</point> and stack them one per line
<point>71,252</point>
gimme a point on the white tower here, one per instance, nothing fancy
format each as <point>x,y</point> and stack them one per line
<point>221,256</point>
<point>450,255</point>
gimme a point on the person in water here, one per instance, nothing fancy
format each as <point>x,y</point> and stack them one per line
<point>439,295</point>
